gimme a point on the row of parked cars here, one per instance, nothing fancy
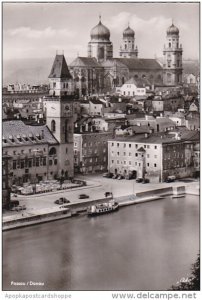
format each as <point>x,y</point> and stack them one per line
<point>119,177</point>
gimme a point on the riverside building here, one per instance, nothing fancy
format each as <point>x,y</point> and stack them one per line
<point>44,152</point>
<point>154,156</point>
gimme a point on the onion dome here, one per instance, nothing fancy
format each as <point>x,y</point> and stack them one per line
<point>172,30</point>
<point>100,32</point>
<point>128,32</point>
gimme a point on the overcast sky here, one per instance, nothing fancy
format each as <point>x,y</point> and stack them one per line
<point>37,30</point>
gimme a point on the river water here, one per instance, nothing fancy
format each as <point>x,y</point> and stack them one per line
<point>148,246</point>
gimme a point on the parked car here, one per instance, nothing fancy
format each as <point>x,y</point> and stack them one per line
<point>120,177</point>
<point>170,179</point>
<point>146,180</point>
<point>18,208</point>
<point>62,200</point>
<point>83,196</point>
<point>107,175</point>
<point>115,176</point>
<point>128,177</point>
<point>139,179</point>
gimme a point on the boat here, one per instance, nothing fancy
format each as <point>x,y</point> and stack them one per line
<point>103,208</point>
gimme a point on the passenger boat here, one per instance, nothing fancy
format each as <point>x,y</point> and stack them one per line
<point>103,208</point>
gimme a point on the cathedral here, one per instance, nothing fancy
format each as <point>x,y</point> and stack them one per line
<point>100,72</point>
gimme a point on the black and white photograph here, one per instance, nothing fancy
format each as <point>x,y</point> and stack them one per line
<point>101,148</point>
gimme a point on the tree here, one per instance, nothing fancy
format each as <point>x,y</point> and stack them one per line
<point>191,283</point>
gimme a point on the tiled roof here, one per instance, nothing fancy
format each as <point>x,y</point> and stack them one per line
<point>159,138</point>
<point>16,133</point>
<point>85,62</point>
<point>59,68</point>
<point>140,63</point>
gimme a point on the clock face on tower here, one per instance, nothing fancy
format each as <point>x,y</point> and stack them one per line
<point>67,110</point>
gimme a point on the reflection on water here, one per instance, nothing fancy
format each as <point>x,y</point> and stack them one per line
<point>144,247</point>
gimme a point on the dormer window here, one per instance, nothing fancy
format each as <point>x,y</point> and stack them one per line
<point>19,138</point>
<point>11,138</point>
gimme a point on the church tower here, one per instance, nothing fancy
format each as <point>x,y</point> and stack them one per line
<point>172,73</point>
<point>59,114</point>
<point>128,48</point>
<point>100,45</point>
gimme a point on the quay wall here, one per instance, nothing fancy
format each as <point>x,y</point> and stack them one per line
<point>162,191</point>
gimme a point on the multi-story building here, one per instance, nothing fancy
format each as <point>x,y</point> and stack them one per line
<point>44,152</point>
<point>91,151</point>
<point>154,156</point>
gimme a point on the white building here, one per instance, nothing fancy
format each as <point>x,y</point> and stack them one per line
<point>135,87</point>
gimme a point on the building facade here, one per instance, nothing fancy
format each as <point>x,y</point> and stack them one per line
<point>154,156</point>
<point>100,72</point>
<point>91,152</point>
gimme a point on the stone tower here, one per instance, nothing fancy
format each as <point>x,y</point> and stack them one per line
<point>59,113</point>
<point>128,48</point>
<point>100,46</point>
<point>172,74</point>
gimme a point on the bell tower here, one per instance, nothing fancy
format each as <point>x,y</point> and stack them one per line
<point>59,112</point>
<point>128,48</point>
<point>172,74</point>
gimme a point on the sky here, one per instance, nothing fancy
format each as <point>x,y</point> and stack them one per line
<point>38,30</point>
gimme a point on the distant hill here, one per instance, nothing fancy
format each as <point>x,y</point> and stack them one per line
<point>35,71</point>
<point>32,71</point>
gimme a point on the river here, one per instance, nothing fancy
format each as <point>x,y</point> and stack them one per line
<point>148,246</point>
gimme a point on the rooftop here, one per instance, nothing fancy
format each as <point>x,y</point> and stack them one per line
<point>17,133</point>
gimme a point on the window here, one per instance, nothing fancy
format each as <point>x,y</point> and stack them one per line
<point>129,163</point>
<point>117,162</point>
<point>155,147</point>
<point>112,161</point>
<point>50,162</point>
<point>147,155</point>
<point>22,164</point>
<point>136,154</point>
<point>155,165</point>
<point>129,145</point>
<point>148,146</point>
<point>129,153</point>
<point>147,164</point>
<point>118,153</point>
<point>53,126</point>
<point>155,156</point>
<point>124,153</point>
<point>14,165</point>
<point>55,161</point>
<point>124,145</point>
<point>22,151</point>
<point>124,162</point>
<point>44,161</point>
<point>117,144</point>
<point>104,158</point>
<point>112,144</point>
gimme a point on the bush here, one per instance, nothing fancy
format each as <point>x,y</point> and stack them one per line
<point>192,283</point>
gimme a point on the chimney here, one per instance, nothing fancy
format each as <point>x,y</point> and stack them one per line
<point>86,127</point>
